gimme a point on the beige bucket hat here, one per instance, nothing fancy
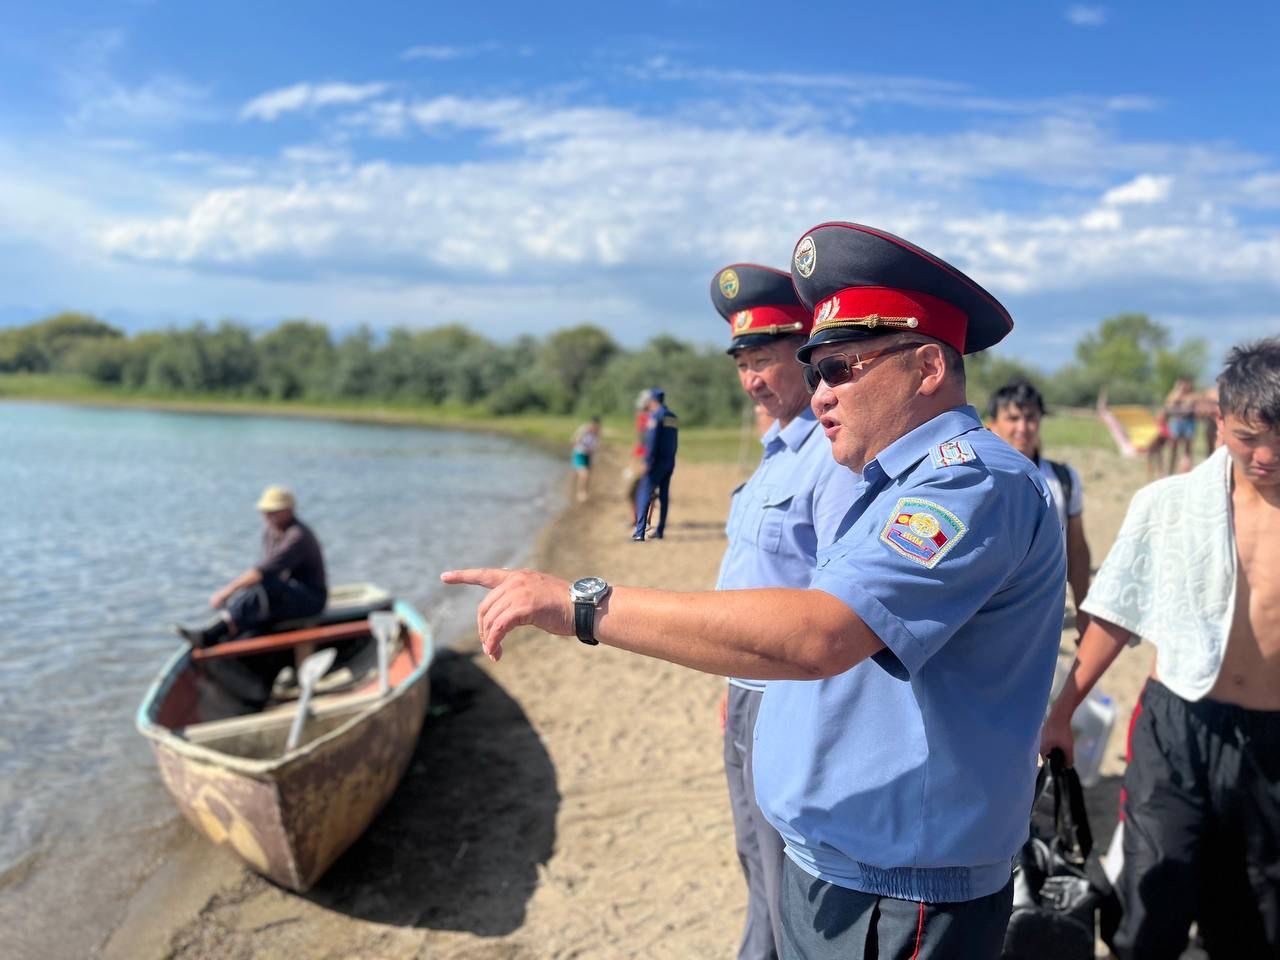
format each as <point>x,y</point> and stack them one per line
<point>274,498</point>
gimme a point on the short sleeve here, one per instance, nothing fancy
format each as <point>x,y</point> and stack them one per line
<point>925,558</point>
<point>1076,506</point>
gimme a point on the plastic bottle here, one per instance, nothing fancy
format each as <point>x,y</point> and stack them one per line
<point>1091,725</point>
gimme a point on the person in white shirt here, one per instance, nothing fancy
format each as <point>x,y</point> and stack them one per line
<point>1195,570</point>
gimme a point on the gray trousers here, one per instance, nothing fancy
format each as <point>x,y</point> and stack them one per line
<point>759,846</point>
<point>821,921</point>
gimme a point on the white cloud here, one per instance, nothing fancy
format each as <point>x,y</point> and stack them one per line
<point>441,52</point>
<point>563,191</point>
<point>307,96</point>
<point>1083,16</point>
<point>1102,220</point>
<point>1145,188</point>
<point>549,209</point>
<point>98,101</point>
<point>845,90</point>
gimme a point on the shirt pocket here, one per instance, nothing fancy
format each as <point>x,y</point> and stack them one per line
<point>773,507</point>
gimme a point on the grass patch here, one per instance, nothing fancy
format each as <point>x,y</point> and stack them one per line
<point>1075,429</point>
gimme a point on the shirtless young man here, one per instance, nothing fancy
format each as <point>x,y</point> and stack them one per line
<point>1202,805</point>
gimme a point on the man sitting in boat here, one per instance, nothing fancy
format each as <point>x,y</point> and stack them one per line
<point>287,584</point>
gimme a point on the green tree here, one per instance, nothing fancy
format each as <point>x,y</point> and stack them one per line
<point>572,358</point>
<point>295,360</point>
<point>231,357</point>
<point>355,365</point>
<point>1130,357</point>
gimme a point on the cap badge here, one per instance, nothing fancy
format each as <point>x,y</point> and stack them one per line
<point>806,257</point>
<point>729,285</point>
<point>828,310</point>
<point>741,320</point>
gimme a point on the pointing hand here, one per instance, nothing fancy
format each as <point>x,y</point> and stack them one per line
<point>516,598</point>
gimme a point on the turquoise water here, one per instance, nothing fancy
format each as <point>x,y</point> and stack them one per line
<point>115,523</point>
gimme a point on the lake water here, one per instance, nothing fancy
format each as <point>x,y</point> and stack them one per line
<point>116,523</point>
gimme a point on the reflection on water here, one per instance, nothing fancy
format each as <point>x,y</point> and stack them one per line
<point>115,523</point>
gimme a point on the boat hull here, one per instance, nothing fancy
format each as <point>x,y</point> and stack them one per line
<point>289,817</point>
<point>292,823</point>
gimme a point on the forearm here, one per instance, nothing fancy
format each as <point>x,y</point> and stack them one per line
<point>774,634</point>
<point>1078,560</point>
<point>249,578</point>
<point>1099,647</point>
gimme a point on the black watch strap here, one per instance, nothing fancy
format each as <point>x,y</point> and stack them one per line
<point>584,621</point>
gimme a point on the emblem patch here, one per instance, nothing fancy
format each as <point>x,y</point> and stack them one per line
<point>806,257</point>
<point>729,285</point>
<point>922,531</point>
<point>741,319</point>
<point>828,310</point>
<point>952,453</point>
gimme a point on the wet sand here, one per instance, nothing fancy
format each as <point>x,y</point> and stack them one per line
<point>566,802</point>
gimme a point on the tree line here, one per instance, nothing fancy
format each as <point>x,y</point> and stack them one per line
<point>579,370</point>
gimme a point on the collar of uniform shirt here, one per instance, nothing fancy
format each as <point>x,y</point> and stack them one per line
<point>795,433</point>
<point>910,448</point>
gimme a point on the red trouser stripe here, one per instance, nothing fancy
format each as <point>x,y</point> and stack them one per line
<point>1128,742</point>
<point>919,933</point>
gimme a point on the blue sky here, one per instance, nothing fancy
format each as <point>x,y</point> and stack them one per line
<point>524,167</point>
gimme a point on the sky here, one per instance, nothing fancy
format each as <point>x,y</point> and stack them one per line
<point>522,168</point>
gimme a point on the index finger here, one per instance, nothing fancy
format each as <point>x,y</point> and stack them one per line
<point>487,577</point>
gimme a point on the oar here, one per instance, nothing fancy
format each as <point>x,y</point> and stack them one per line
<point>385,626</point>
<point>312,669</point>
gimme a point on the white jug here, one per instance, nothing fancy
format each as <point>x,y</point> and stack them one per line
<point>1091,726</point>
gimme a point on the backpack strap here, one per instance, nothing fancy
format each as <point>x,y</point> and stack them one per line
<point>1063,473</point>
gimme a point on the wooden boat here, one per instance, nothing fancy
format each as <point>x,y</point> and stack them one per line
<point>289,813</point>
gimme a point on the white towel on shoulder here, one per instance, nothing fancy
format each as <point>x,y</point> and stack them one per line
<point>1170,577</point>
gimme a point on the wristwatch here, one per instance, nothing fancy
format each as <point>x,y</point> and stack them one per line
<point>586,595</point>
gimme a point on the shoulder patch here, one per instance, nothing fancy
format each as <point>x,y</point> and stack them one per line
<point>922,531</point>
<point>952,453</point>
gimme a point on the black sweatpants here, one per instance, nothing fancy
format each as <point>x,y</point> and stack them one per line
<point>1201,829</point>
<point>822,921</point>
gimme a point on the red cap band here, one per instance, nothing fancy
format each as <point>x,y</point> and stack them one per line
<point>778,320</point>
<point>883,310</point>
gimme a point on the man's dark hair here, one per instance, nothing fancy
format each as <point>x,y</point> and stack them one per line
<point>1249,385</point>
<point>1020,393</point>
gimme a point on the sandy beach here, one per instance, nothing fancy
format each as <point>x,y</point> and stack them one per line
<point>566,802</point>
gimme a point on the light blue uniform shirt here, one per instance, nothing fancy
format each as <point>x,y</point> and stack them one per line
<point>910,775</point>
<point>792,504</point>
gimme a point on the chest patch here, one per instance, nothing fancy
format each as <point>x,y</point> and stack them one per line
<point>952,453</point>
<point>922,531</point>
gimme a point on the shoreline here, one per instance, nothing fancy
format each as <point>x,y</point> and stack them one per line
<point>536,431</point>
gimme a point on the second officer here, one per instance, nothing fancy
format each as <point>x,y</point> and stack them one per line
<point>790,506</point>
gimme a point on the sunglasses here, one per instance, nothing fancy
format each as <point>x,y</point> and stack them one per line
<point>840,367</point>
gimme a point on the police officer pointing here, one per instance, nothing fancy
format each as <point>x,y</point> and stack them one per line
<point>791,504</point>
<point>897,758</point>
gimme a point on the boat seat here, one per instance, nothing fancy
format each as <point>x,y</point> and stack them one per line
<point>347,602</point>
<point>277,716</point>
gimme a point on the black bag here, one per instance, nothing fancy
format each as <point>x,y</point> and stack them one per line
<point>1056,887</point>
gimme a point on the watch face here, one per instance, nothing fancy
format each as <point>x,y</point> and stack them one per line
<point>589,588</point>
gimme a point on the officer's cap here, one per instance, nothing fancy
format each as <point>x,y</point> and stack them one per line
<point>657,393</point>
<point>760,304</point>
<point>861,282</point>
